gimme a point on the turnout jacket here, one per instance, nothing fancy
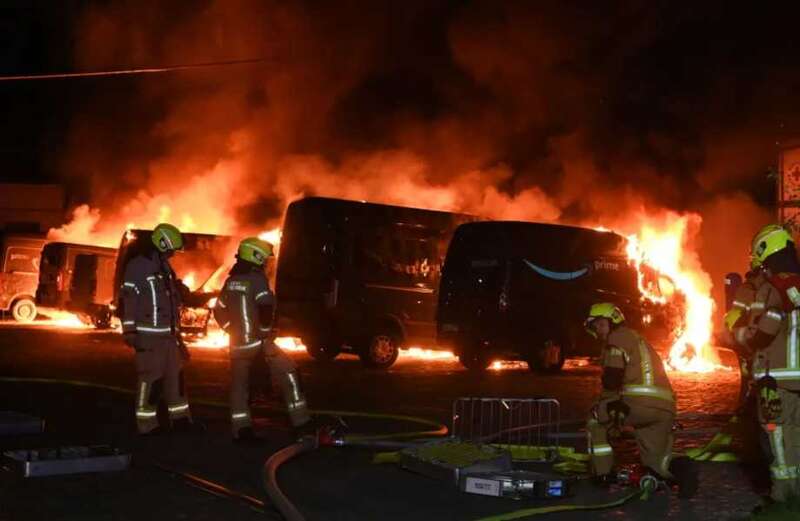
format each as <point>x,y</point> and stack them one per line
<point>746,295</point>
<point>773,329</point>
<point>151,297</point>
<point>633,371</point>
<point>244,308</point>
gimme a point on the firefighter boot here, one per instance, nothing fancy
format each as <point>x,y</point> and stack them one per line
<point>188,426</point>
<point>685,476</point>
<point>246,436</point>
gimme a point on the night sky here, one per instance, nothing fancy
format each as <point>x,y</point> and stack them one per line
<point>679,103</point>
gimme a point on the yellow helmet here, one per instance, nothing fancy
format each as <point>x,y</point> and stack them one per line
<point>255,250</point>
<point>167,237</point>
<point>770,239</point>
<point>604,310</point>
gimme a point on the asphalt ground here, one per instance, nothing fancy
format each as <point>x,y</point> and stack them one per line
<point>329,483</point>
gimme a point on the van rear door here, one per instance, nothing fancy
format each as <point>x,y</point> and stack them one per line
<point>84,281</point>
<point>51,278</point>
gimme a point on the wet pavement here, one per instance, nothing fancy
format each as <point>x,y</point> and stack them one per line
<point>327,484</point>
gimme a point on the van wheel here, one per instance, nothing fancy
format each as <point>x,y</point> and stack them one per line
<point>102,320</point>
<point>381,352</point>
<point>23,310</point>
<point>547,359</point>
<point>322,353</point>
<point>474,358</point>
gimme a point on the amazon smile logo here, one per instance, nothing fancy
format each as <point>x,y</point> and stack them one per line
<point>557,275</point>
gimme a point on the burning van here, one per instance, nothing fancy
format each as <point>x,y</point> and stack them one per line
<point>19,271</point>
<point>360,276</point>
<point>77,278</point>
<point>201,267</point>
<point>517,290</point>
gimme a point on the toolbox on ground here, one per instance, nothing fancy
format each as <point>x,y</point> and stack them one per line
<point>66,460</point>
<point>16,424</point>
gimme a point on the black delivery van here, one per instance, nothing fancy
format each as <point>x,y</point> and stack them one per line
<point>202,266</point>
<point>521,291</point>
<point>77,278</point>
<point>360,276</point>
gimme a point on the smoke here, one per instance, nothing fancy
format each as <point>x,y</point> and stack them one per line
<point>547,111</point>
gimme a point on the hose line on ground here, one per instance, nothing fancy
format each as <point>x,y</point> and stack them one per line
<point>437,429</point>
<point>270,479</point>
<point>308,443</point>
<point>535,511</point>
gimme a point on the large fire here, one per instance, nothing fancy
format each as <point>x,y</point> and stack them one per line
<point>661,243</point>
<point>664,248</point>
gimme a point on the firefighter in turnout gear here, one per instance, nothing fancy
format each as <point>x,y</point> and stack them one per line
<point>245,310</point>
<point>150,313</point>
<point>771,334</point>
<point>636,392</point>
<point>739,315</point>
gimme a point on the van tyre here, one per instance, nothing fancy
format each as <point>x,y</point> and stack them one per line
<point>547,358</point>
<point>23,310</point>
<point>474,358</point>
<point>323,353</point>
<point>381,351</point>
<point>102,320</point>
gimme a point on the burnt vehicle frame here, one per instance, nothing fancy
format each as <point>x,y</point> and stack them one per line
<point>77,278</point>
<point>19,274</point>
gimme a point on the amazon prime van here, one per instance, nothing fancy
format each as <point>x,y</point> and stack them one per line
<point>521,291</point>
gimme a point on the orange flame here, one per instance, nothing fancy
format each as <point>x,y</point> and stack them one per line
<point>61,319</point>
<point>272,236</point>
<point>190,281</point>
<point>664,249</point>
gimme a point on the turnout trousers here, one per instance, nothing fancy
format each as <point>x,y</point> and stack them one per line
<point>284,375</point>
<point>784,440</point>
<point>159,369</point>
<point>652,428</point>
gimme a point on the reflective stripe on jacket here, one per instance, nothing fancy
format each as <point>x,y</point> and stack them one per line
<point>781,356</point>
<point>238,309</point>
<point>151,297</point>
<point>645,381</point>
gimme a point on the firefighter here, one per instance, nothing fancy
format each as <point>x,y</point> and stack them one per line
<point>150,313</point>
<point>772,335</point>
<point>245,309</point>
<point>739,315</point>
<point>636,392</point>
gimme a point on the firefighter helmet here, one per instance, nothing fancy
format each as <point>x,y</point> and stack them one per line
<point>167,237</point>
<point>770,239</point>
<point>603,310</point>
<point>255,250</point>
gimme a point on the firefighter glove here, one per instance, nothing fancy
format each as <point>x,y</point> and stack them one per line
<point>617,412</point>
<point>769,399</point>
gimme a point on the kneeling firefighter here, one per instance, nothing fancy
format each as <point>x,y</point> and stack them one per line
<point>772,335</point>
<point>244,310</point>
<point>150,313</point>
<point>636,392</point>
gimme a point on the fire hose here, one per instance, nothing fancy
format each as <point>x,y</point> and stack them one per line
<point>310,443</point>
<point>306,444</point>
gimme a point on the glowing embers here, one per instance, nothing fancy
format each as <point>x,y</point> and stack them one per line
<point>61,319</point>
<point>421,353</point>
